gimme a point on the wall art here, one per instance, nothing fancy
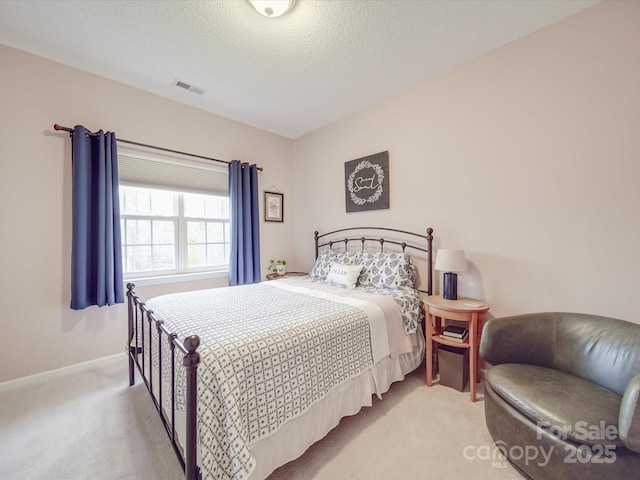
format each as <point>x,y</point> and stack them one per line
<point>367,183</point>
<point>273,207</point>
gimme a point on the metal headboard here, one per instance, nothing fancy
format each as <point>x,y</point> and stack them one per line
<point>426,247</point>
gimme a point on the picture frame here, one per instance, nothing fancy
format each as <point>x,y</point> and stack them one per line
<point>366,183</point>
<point>273,207</point>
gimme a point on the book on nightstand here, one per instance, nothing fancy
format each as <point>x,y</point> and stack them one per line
<point>455,331</point>
<point>455,339</point>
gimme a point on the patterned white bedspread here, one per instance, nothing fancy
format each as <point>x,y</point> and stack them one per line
<point>268,352</point>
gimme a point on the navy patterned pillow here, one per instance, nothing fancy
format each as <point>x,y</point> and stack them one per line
<point>326,259</point>
<point>387,270</point>
<point>322,266</point>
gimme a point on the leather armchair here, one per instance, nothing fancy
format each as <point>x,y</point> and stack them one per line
<point>561,397</point>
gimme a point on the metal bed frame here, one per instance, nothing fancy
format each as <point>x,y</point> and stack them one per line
<point>140,352</point>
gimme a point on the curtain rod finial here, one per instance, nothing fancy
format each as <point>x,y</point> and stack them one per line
<point>64,129</point>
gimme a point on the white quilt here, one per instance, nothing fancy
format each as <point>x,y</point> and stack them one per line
<point>268,352</point>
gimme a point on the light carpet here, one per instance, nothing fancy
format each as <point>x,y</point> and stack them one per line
<point>92,425</point>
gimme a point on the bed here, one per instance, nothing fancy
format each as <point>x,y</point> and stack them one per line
<point>275,365</point>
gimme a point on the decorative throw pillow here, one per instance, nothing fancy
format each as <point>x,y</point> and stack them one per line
<point>344,275</point>
<point>387,270</point>
<point>325,260</point>
<point>322,266</point>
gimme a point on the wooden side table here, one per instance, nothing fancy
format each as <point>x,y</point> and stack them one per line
<point>275,276</point>
<point>439,309</point>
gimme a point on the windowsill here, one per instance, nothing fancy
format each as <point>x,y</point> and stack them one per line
<point>184,277</point>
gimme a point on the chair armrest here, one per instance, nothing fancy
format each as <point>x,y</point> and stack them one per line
<point>526,338</point>
<point>629,419</point>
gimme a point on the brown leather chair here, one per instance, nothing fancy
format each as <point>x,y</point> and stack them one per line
<point>562,394</point>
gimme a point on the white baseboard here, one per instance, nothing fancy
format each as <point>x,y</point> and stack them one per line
<point>59,372</point>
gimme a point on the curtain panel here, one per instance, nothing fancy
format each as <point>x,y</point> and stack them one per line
<point>96,258</point>
<point>244,262</point>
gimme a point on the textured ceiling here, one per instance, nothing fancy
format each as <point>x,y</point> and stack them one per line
<point>289,75</point>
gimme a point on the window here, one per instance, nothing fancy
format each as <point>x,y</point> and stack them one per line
<point>174,216</point>
<point>166,232</point>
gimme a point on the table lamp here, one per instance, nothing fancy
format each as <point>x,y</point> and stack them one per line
<point>450,261</point>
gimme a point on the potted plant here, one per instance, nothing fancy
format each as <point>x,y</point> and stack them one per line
<point>278,266</point>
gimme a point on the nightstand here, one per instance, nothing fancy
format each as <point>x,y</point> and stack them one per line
<point>473,312</point>
<point>275,276</point>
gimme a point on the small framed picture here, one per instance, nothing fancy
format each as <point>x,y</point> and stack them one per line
<point>273,207</point>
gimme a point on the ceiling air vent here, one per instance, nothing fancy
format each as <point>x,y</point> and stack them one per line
<point>191,88</point>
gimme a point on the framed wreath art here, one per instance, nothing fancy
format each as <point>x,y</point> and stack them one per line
<point>367,183</point>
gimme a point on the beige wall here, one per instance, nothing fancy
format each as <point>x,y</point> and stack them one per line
<point>39,330</point>
<point>528,158</point>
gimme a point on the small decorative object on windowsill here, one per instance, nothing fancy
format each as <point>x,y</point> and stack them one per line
<point>278,266</point>
<point>450,261</point>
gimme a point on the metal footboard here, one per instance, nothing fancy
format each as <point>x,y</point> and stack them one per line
<point>141,322</point>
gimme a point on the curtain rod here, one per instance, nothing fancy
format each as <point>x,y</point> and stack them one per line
<point>70,130</point>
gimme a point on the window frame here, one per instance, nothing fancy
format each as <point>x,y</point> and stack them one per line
<point>182,272</point>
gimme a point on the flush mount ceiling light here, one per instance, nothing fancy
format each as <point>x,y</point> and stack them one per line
<point>272,8</point>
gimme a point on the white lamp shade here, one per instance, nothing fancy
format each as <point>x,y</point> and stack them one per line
<point>451,261</point>
<point>272,8</point>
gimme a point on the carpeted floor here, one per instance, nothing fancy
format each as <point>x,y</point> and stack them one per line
<point>91,425</point>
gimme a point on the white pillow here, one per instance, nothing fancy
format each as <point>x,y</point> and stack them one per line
<point>344,275</point>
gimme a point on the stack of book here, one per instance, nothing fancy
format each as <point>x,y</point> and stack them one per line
<point>455,333</point>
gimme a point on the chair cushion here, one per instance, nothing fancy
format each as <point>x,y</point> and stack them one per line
<point>629,422</point>
<point>567,406</point>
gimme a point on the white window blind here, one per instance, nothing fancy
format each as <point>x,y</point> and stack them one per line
<point>177,174</point>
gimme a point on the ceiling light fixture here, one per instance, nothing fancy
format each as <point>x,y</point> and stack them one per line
<point>272,8</point>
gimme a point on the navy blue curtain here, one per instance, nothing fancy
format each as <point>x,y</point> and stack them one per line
<point>96,257</point>
<point>244,264</point>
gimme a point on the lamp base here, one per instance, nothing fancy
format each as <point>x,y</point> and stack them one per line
<point>450,286</point>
